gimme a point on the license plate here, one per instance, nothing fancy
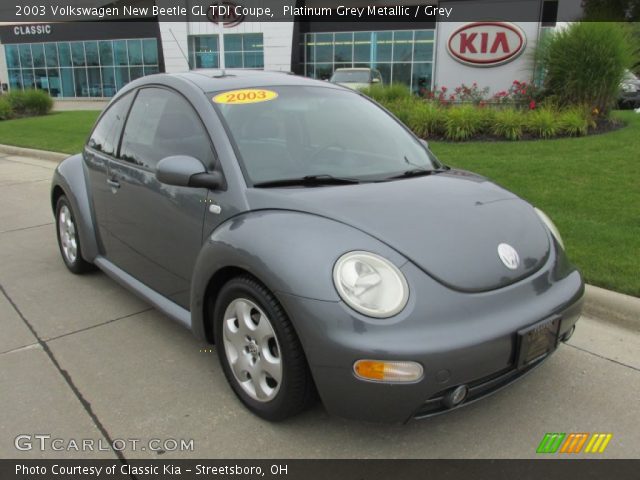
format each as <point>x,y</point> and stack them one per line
<point>537,341</point>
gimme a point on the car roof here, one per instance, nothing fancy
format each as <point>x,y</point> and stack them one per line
<point>353,69</point>
<point>211,80</point>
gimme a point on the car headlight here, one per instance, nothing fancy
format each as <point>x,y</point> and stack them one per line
<point>550,225</point>
<point>628,87</point>
<point>370,284</point>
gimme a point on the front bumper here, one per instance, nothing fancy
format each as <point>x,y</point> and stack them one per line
<point>459,338</point>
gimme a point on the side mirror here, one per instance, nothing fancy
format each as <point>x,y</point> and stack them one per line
<point>424,143</point>
<point>186,171</point>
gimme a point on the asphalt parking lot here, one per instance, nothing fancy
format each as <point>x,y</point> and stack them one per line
<point>81,358</point>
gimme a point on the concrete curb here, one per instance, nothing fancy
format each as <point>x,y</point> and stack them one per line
<point>33,153</point>
<point>600,304</point>
<point>612,307</point>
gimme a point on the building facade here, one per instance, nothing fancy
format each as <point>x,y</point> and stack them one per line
<point>95,59</point>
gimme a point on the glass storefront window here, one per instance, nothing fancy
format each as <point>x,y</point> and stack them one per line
<point>15,79</point>
<point>54,82</point>
<point>120,52</point>
<point>122,77</point>
<point>324,47</point>
<point>402,46</point>
<point>401,56</point>
<point>37,51</point>
<point>41,80</point>
<point>25,56</point>
<point>105,49</point>
<point>66,77</point>
<point>80,69</point>
<point>343,51</point>
<point>134,48</point>
<point>382,46</point>
<point>80,80</point>
<point>252,42</point>
<point>77,54</point>
<point>91,50</point>
<point>362,47</point>
<point>13,58</point>
<point>27,78</point>
<point>64,54</point>
<point>51,55</point>
<point>150,51</point>
<point>242,50</point>
<point>423,46</point>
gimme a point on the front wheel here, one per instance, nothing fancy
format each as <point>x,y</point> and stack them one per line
<point>259,350</point>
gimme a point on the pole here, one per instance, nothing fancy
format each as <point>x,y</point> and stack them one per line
<point>221,42</point>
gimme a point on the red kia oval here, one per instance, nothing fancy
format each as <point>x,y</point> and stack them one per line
<point>486,43</point>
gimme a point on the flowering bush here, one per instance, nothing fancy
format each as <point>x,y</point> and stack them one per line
<point>466,114</point>
<point>519,94</point>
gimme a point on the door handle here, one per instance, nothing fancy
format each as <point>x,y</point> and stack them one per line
<point>113,183</point>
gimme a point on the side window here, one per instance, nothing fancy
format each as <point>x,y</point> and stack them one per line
<point>106,135</point>
<point>162,123</point>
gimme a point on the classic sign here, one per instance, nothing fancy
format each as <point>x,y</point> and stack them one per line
<point>486,44</point>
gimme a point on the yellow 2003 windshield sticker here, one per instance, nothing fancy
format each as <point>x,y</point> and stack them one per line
<point>249,95</point>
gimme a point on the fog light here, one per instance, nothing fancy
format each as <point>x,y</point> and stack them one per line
<point>381,371</point>
<point>456,396</point>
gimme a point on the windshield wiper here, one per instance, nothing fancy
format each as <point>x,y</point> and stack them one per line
<point>308,180</point>
<point>418,172</point>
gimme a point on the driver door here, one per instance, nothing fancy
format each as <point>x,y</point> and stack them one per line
<point>155,230</point>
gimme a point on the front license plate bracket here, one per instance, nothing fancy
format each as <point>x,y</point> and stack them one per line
<point>537,341</point>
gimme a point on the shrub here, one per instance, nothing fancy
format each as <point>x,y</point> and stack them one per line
<point>462,122</point>
<point>584,63</point>
<point>401,108</point>
<point>6,111</point>
<point>30,102</point>
<point>575,121</point>
<point>426,119</point>
<point>509,123</point>
<point>386,94</point>
<point>543,123</point>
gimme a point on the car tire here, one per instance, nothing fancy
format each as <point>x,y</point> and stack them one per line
<point>259,351</point>
<point>68,238</point>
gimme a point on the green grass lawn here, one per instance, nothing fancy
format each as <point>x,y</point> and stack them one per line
<point>58,132</point>
<point>589,186</point>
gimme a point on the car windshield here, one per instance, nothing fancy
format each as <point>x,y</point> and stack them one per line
<point>302,131</point>
<point>351,76</point>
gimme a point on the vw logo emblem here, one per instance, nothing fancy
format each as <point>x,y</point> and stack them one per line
<point>509,256</point>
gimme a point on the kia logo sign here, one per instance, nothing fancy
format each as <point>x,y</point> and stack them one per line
<point>227,12</point>
<point>486,44</point>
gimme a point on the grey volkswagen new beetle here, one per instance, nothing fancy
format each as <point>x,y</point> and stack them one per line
<point>317,242</point>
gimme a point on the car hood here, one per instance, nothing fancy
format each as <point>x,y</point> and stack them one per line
<point>354,85</point>
<point>449,224</point>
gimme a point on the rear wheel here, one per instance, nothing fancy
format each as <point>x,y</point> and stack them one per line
<point>260,353</point>
<point>68,238</point>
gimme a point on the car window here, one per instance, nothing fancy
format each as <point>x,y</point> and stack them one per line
<point>162,123</point>
<point>106,134</point>
<point>351,76</point>
<point>320,131</point>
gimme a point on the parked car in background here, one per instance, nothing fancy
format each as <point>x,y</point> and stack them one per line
<point>629,96</point>
<point>356,78</point>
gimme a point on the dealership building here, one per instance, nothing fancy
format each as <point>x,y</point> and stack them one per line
<point>97,58</point>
